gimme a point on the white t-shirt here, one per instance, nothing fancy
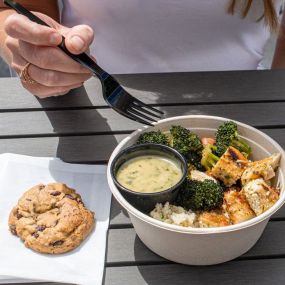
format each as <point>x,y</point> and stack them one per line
<point>136,36</point>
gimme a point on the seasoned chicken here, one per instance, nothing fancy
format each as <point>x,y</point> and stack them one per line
<point>237,207</point>
<point>200,176</point>
<point>230,166</point>
<point>261,169</point>
<point>213,219</point>
<point>260,195</point>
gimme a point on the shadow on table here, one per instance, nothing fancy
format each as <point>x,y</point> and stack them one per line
<point>183,274</point>
<point>143,253</point>
<point>160,271</point>
<point>74,143</point>
<point>234,273</point>
<point>116,209</point>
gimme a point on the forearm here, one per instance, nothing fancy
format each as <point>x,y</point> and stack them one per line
<point>279,55</point>
<point>48,7</point>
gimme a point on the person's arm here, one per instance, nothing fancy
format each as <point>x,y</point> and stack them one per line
<point>48,7</point>
<point>279,55</point>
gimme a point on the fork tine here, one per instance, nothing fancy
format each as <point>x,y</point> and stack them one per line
<point>142,104</point>
<point>141,114</point>
<point>133,116</point>
<point>140,109</point>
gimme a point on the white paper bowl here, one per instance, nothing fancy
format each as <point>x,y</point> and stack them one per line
<point>202,246</point>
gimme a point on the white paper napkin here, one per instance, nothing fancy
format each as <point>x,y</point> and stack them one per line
<point>84,265</point>
<point>13,280</point>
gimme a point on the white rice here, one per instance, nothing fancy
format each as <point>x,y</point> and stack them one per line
<point>173,215</point>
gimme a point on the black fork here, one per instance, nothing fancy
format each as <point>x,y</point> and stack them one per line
<point>114,94</point>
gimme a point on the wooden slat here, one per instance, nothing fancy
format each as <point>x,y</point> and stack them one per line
<point>118,215</point>
<point>276,134</point>
<point>124,246</point>
<point>253,272</point>
<point>200,87</point>
<point>207,87</point>
<point>82,149</point>
<point>280,214</point>
<point>63,122</point>
<point>14,96</point>
<point>106,120</point>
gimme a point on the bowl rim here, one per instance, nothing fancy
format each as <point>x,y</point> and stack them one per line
<point>178,155</point>
<point>189,230</point>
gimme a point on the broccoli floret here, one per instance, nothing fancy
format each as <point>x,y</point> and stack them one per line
<point>153,137</point>
<point>200,195</point>
<point>185,141</point>
<point>227,135</point>
<point>194,158</point>
<point>209,159</point>
<point>188,144</point>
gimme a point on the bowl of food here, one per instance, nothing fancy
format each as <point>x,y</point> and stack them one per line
<point>147,174</point>
<point>235,183</point>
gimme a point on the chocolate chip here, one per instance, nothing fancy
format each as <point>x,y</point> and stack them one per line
<point>40,228</point>
<point>28,200</point>
<point>55,193</point>
<point>19,216</point>
<point>13,230</point>
<point>69,196</point>
<point>57,243</point>
<point>35,235</point>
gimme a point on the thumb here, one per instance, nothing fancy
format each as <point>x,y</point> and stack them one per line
<point>79,38</point>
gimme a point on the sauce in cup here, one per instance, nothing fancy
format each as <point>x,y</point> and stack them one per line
<point>149,174</point>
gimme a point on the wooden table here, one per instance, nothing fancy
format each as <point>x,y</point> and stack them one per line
<point>80,128</point>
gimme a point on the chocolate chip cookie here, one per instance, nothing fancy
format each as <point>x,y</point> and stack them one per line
<point>51,219</point>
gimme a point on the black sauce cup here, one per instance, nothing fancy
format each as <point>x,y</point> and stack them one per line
<point>146,202</point>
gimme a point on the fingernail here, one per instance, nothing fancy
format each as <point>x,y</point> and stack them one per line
<point>55,38</point>
<point>77,43</point>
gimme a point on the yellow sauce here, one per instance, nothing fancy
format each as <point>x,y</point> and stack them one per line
<point>149,174</point>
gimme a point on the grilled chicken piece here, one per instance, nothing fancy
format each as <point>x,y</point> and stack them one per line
<point>230,166</point>
<point>260,195</point>
<point>261,169</point>
<point>237,207</point>
<point>213,219</point>
<point>200,176</point>
<point>206,141</point>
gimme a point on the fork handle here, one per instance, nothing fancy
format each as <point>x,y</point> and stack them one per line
<point>83,58</point>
